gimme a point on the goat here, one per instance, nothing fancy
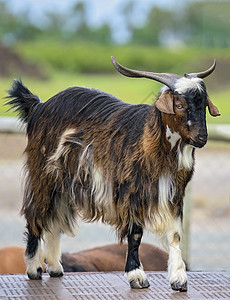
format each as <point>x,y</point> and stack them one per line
<point>104,259</point>
<point>112,258</point>
<point>95,157</point>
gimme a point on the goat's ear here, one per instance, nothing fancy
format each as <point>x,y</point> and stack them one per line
<point>165,103</point>
<point>213,110</point>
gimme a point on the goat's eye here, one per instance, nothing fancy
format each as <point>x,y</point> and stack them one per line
<point>179,106</point>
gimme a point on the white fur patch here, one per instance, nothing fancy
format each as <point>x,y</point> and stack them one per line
<point>176,266</point>
<point>166,191</point>
<point>136,274</point>
<point>185,158</point>
<point>103,196</point>
<point>172,137</point>
<point>101,189</point>
<point>61,150</point>
<point>183,84</point>
<point>164,89</point>
<point>52,249</point>
<point>35,262</point>
<point>85,163</point>
<point>160,221</point>
<point>189,123</point>
<point>163,217</point>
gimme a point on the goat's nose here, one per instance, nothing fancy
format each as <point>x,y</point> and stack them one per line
<point>202,137</point>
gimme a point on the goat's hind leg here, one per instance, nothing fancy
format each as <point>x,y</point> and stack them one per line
<point>133,270</point>
<point>52,251</point>
<point>33,254</point>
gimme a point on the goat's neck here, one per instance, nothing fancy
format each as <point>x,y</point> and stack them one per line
<point>162,143</point>
<point>157,134</point>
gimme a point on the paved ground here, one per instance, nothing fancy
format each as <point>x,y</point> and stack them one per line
<point>112,286</point>
<point>209,212</point>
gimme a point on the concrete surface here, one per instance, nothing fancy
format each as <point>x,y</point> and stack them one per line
<point>111,286</point>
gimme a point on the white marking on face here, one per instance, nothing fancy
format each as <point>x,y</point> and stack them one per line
<point>189,123</point>
<point>183,84</point>
<point>172,138</point>
<point>185,158</point>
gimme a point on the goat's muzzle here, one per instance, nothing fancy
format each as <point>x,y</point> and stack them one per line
<point>199,141</point>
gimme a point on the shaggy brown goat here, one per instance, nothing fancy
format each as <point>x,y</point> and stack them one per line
<point>103,259</point>
<point>94,157</point>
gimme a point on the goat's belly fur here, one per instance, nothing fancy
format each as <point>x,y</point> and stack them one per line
<point>161,220</point>
<point>85,192</point>
<point>88,194</point>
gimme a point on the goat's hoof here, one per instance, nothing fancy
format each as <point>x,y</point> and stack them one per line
<point>56,274</point>
<point>137,284</point>
<point>177,286</point>
<point>55,270</point>
<point>35,276</point>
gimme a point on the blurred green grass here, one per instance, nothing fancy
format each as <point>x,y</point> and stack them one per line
<point>94,58</point>
<point>88,64</point>
<point>128,89</point>
<point>85,64</point>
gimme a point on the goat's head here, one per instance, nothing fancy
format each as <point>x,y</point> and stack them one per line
<point>182,102</point>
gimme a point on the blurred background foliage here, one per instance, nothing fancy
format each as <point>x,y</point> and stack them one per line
<point>67,48</point>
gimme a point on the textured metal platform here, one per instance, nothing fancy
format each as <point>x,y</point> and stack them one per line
<point>111,286</point>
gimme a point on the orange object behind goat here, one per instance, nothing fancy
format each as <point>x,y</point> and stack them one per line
<point>104,259</point>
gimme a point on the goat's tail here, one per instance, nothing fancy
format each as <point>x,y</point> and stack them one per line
<point>21,100</point>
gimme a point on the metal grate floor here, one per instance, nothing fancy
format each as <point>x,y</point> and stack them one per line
<point>113,285</point>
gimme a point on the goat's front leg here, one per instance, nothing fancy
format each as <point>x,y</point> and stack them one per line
<point>176,267</point>
<point>52,251</point>
<point>133,270</point>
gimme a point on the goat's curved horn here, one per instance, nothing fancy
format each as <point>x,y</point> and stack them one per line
<point>168,79</point>
<point>202,74</point>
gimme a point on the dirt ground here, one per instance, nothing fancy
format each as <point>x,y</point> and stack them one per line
<point>12,63</point>
<point>208,198</point>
